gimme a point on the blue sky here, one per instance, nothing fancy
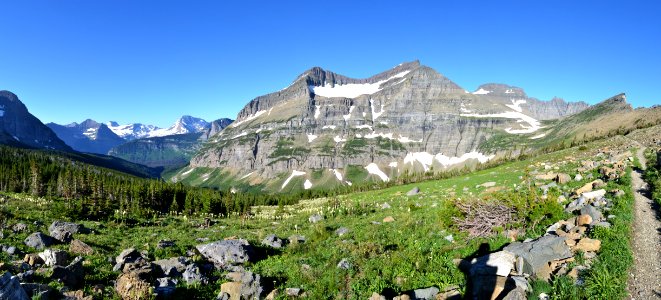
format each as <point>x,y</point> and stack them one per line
<point>153,61</point>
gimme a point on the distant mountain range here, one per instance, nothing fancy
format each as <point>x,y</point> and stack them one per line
<point>94,137</point>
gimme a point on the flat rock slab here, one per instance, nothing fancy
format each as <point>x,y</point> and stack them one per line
<point>227,252</point>
<point>538,253</point>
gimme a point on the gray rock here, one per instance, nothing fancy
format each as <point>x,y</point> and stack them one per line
<point>11,250</point>
<point>162,244</point>
<point>516,294</point>
<point>192,275</point>
<point>538,253</point>
<point>426,294</point>
<point>385,205</point>
<point>227,252</point>
<point>38,240</point>
<point>273,241</point>
<point>576,204</point>
<point>498,263</point>
<point>315,218</point>
<point>72,275</point>
<point>61,235</point>
<point>165,287</point>
<point>251,284</point>
<point>127,256</point>
<point>449,238</point>
<point>172,267</point>
<point>413,191</point>
<point>593,212</point>
<point>342,231</point>
<point>68,226</point>
<point>293,292</point>
<point>64,231</point>
<point>19,227</point>
<point>54,257</point>
<point>344,264</point>
<point>10,288</point>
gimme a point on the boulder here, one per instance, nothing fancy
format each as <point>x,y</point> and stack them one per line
<point>538,253</point>
<point>227,252</point>
<point>33,259</point>
<point>578,177</point>
<point>563,178</point>
<point>54,257</point>
<point>246,284</point>
<point>498,263</point>
<point>516,294</point>
<point>585,188</point>
<point>11,250</point>
<point>128,256</point>
<point>61,235</point>
<point>68,226</point>
<point>79,247</point>
<point>11,289</point>
<point>593,212</point>
<point>172,267</point>
<point>315,218</point>
<point>385,205</point>
<point>344,264</point>
<point>388,219</point>
<point>192,275</point>
<point>587,244</point>
<point>72,275</point>
<point>273,241</point>
<point>593,195</point>
<point>584,220</point>
<point>130,286</point>
<point>76,295</point>
<point>426,294</point>
<point>342,231</point>
<point>413,192</point>
<point>165,287</point>
<point>38,240</point>
<point>293,292</point>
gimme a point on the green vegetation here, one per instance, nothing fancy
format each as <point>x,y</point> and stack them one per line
<point>653,174</point>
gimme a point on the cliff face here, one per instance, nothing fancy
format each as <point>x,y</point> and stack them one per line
<point>20,128</point>
<point>407,118</point>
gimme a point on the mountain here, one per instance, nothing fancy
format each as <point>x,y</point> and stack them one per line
<point>20,128</point>
<point>326,129</point>
<point>88,136</point>
<point>171,150</point>
<point>185,124</point>
<point>131,131</point>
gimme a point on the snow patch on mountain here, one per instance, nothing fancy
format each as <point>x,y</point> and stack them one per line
<point>311,137</point>
<point>337,173</point>
<point>249,118</point>
<point>2,110</point>
<point>307,184</point>
<point>352,90</point>
<point>481,91</point>
<point>427,159</point>
<point>516,105</point>
<point>294,173</point>
<point>374,170</point>
<point>533,124</point>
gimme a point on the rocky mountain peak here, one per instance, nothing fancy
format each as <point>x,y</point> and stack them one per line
<point>19,127</point>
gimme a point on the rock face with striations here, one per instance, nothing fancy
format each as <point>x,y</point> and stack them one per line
<point>20,128</point>
<point>407,118</point>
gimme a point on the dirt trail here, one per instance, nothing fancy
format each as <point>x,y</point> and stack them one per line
<point>645,277</point>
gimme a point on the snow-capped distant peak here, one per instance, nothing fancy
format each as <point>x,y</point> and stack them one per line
<point>185,124</point>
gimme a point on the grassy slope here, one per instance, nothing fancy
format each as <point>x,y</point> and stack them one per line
<point>403,255</point>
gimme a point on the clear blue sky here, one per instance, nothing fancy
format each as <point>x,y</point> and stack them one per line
<point>153,61</point>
